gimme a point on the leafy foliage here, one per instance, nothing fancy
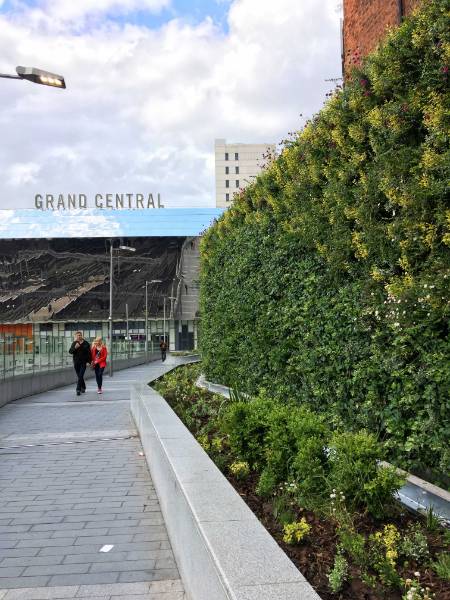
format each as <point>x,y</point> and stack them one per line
<point>326,283</point>
<point>285,442</point>
<point>338,574</point>
<point>442,565</point>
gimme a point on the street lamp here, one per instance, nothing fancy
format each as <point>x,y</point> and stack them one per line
<point>171,312</point>
<point>111,248</point>
<point>37,76</point>
<point>146,314</point>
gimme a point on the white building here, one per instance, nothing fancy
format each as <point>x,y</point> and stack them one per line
<point>237,165</point>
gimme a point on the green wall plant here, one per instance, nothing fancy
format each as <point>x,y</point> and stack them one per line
<point>327,281</point>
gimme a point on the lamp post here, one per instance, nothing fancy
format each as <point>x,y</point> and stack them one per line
<point>170,314</point>
<point>37,76</point>
<point>147,283</point>
<point>111,274</point>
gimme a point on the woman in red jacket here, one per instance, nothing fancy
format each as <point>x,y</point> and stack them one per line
<point>99,354</point>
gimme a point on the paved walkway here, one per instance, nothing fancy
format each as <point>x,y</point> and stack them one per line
<point>79,516</point>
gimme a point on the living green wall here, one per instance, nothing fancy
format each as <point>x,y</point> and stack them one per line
<point>327,281</point>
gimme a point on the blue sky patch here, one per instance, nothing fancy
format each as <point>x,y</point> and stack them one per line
<point>191,11</point>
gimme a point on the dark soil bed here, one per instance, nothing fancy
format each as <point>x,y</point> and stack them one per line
<point>315,556</point>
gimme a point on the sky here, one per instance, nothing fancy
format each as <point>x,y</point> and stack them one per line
<point>150,85</point>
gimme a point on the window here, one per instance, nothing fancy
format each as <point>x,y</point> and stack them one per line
<point>227,183</point>
<point>237,182</point>
<point>227,170</point>
<point>226,155</point>
<point>236,156</point>
<point>227,197</point>
<point>236,170</point>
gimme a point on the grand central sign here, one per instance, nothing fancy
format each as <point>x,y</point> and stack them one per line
<point>102,201</point>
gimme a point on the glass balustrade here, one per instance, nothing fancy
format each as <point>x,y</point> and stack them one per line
<point>24,356</point>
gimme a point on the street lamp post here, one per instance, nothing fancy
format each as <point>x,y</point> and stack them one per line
<point>146,314</point>
<point>111,274</point>
<point>37,76</point>
<point>171,298</point>
<point>164,319</point>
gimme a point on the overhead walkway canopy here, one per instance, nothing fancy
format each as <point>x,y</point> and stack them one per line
<point>89,223</point>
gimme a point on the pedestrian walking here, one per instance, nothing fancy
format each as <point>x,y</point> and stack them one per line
<point>163,348</point>
<point>99,353</point>
<point>81,353</point>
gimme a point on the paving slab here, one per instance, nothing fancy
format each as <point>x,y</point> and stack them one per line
<point>73,479</point>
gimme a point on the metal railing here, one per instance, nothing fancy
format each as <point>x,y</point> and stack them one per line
<point>25,356</point>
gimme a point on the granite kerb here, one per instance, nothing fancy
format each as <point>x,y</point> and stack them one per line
<point>222,550</point>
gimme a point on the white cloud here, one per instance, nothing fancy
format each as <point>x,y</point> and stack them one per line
<point>22,174</point>
<point>143,106</point>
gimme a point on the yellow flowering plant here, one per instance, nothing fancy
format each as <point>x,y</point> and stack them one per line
<point>294,533</point>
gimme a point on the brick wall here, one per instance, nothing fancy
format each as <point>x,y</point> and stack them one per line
<point>365,23</point>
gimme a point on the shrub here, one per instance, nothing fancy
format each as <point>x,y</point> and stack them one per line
<point>354,544</point>
<point>338,574</point>
<point>246,424</point>
<point>414,544</point>
<point>354,471</point>
<point>240,470</point>
<point>384,554</point>
<point>295,441</point>
<point>294,533</point>
<point>442,565</point>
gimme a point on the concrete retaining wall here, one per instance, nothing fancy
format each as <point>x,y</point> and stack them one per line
<point>222,550</point>
<point>21,386</point>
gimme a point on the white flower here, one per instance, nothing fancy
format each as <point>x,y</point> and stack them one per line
<point>416,574</point>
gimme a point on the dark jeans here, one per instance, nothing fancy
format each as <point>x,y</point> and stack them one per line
<point>99,375</point>
<point>163,355</point>
<point>80,369</point>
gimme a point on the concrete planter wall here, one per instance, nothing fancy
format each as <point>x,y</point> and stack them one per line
<point>222,550</point>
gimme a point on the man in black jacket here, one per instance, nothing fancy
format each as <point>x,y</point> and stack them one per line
<point>81,353</point>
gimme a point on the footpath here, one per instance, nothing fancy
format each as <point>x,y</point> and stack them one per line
<point>79,516</point>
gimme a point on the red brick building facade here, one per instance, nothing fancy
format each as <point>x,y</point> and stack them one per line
<point>366,22</point>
